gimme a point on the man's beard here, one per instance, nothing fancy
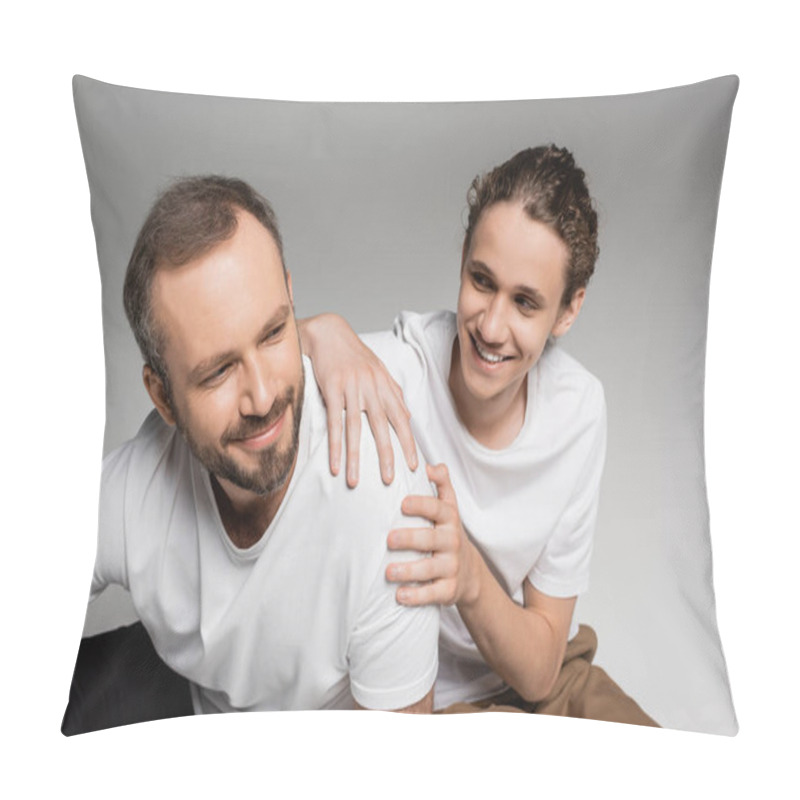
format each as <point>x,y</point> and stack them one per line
<point>274,465</point>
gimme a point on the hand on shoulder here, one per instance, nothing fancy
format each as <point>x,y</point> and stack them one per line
<point>449,574</point>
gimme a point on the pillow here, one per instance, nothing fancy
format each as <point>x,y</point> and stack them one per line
<point>371,201</point>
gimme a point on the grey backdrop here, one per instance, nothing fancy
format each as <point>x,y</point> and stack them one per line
<point>371,203</point>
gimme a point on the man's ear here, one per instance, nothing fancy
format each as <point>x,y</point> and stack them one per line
<point>569,314</point>
<point>158,394</point>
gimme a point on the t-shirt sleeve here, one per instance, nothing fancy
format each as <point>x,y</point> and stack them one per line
<point>109,564</point>
<point>393,652</point>
<point>401,355</point>
<point>563,568</point>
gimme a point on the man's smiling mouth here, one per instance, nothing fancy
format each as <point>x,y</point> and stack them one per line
<point>489,358</point>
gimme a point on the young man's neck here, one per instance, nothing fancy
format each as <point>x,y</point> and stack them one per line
<point>494,422</point>
<point>246,515</point>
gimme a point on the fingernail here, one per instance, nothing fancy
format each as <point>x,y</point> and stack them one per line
<point>388,471</point>
<point>414,462</point>
<point>402,595</point>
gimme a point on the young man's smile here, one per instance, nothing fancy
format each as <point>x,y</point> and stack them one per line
<point>510,303</point>
<point>485,355</point>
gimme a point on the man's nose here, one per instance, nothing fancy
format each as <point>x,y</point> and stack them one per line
<point>492,321</point>
<point>257,389</point>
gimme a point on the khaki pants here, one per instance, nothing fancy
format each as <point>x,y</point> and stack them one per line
<point>581,690</point>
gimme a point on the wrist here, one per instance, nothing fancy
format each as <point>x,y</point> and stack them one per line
<point>471,592</point>
<point>310,329</point>
<point>305,329</point>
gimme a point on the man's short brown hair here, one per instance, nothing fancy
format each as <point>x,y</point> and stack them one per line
<point>190,218</point>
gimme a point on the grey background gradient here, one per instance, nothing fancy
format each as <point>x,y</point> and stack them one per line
<point>371,203</point>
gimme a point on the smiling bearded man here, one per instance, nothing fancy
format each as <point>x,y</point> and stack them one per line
<point>259,577</point>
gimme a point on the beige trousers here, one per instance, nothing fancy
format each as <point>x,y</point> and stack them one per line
<point>581,690</point>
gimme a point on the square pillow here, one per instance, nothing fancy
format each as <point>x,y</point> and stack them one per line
<point>371,203</point>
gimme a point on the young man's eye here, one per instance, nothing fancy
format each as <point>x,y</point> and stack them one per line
<point>526,304</point>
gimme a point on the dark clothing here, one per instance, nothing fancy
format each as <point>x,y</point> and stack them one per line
<point>119,679</point>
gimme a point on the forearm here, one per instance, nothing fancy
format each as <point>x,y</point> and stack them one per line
<point>521,644</point>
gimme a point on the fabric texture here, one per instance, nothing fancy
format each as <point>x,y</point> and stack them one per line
<point>303,619</point>
<point>530,507</point>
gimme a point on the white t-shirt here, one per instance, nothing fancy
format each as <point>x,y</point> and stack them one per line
<point>531,507</point>
<point>303,619</point>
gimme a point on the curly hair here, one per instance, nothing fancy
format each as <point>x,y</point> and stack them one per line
<point>552,190</point>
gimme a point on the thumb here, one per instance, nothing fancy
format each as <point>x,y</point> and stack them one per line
<point>440,477</point>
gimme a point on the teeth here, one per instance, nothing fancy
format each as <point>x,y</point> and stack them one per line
<point>490,357</point>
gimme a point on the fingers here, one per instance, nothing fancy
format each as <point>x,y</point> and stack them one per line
<point>427,581</point>
<point>335,435</point>
<point>385,407</point>
<point>398,393</point>
<point>431,508</point>
<point>439,593</point>
<point>400,423</point>
<point>424,540</point>
<point>364,395</point>
<point>420,539</point>
<point>380,432</point>
<point>422,570</point>
<point>352,434</point>
<point>353,439</point>
<point>440,477</point>
<point>399,417</point>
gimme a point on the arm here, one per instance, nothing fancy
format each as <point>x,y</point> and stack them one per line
<point>523,645</point>
<point>353,379</point>
<point>110,564</point>
<point>393,649</point>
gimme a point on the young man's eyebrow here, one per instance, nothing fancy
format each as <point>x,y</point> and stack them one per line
<point>208,365</point>
<point>534,294</point>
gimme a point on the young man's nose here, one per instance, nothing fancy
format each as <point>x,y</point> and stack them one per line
<point>492,322</point>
